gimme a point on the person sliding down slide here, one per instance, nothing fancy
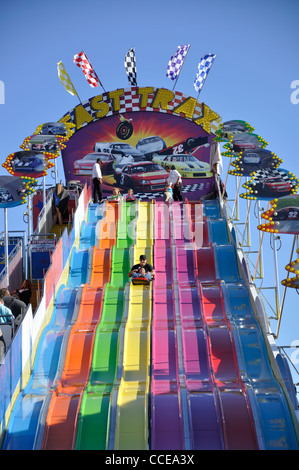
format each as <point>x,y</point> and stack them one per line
<point>143,270</point>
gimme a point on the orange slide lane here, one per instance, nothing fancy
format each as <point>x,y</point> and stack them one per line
<point>61,421</point>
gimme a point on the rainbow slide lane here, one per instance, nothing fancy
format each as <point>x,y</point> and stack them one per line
<point>101,391</point>
<point>131,421</point>
<point>61,421</point>
<point>27,412</point>
<point>167,425</point>
<point>212,384</point>
<point>180,364</point>
<point>218,410</point>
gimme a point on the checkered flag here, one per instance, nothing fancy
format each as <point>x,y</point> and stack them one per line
<point>204,67</point>
<point>130,66</point>
<point>83,63</point>
<point>65,79</point>
<point>176,62</point>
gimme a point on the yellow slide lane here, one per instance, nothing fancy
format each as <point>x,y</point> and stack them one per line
<point>132,404</point>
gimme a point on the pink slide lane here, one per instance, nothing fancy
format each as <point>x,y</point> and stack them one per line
<point>204,413</point>
<point>166,416</point>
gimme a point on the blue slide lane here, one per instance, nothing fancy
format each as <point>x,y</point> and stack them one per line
<point>272,410</point>
<point>21,430</point>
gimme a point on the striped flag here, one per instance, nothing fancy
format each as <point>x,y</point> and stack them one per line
<point>130,66</point>
<point>204,67</point>
<point>176,62</point>
<point>83,63</point>
<point>65,79</point>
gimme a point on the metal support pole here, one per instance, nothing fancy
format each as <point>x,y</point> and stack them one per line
<point>55,169</point>
<point>44,191</point>
<point>259,260</point>
<point>225,183</point>
<point>277,299</point>
<point>6,246</point>
<point>236,200</point>
<point>284,291</point>
<point>29,216</point>
<point>248,203</point>
<point>260,238</point>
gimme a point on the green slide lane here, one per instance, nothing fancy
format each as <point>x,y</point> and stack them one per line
<point>94,417</point>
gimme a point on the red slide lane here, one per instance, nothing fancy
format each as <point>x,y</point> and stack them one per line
<point>237,420</point>
<point>210,358</point>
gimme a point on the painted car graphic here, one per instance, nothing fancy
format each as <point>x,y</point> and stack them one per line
<point>250,158</point>
<point>143,176</point>
<point>184,146</point>
<point>187,165</point>
<point>118,149</point>
<point>30,164</point>
<point>231,128</point>
<point>151,144</point>
<point>245,141</point>
<point>286,213</point>
<point>54,128</point>
<point>276,185</point>
<point>5,195</point>
<point>84,165</point>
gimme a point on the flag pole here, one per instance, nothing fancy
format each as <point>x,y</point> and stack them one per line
<point>203,83</point>
<point>94,70</point>
<point>205,79</point>
<point>60,62</point>
<point>181,67</point>
<point>202,87</point>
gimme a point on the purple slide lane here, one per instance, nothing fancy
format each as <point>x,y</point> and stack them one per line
<point>166,415</point>
<point>219,409</point>
<point>204,412</point>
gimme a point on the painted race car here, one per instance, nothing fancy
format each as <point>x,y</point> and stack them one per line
<point>84,166</point>
<point>123,160</point>
<point>276,185</point>
<point>151,144</point>
<point>143,176</point>
<point>245,141</point>
<point>33,164</point>
<point>184,146</point>
<point>286,213</point>
<point>118,149</point>
<point>5,195</point>
<point>54,128</point>
<point>187,165</point>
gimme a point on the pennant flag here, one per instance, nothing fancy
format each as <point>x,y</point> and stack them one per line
<point>65,79</point>
<point>204,67</point>
<point>176,62</point>
<point>83,63</point>
<point>130,66</point>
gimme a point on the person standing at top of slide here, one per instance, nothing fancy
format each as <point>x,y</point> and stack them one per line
<point>175,180</point>
<point>97,181</point>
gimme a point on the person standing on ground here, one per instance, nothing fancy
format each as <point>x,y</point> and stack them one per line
<point>15,305</point>
<point>6,315</point>
<point>175,180</point>
<point>97,181</point>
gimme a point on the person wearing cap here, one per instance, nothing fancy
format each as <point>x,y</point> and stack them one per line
<point>97,181</point>
<point>144,268</point>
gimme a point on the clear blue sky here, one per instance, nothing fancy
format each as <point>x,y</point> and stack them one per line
<point>256,44</point>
